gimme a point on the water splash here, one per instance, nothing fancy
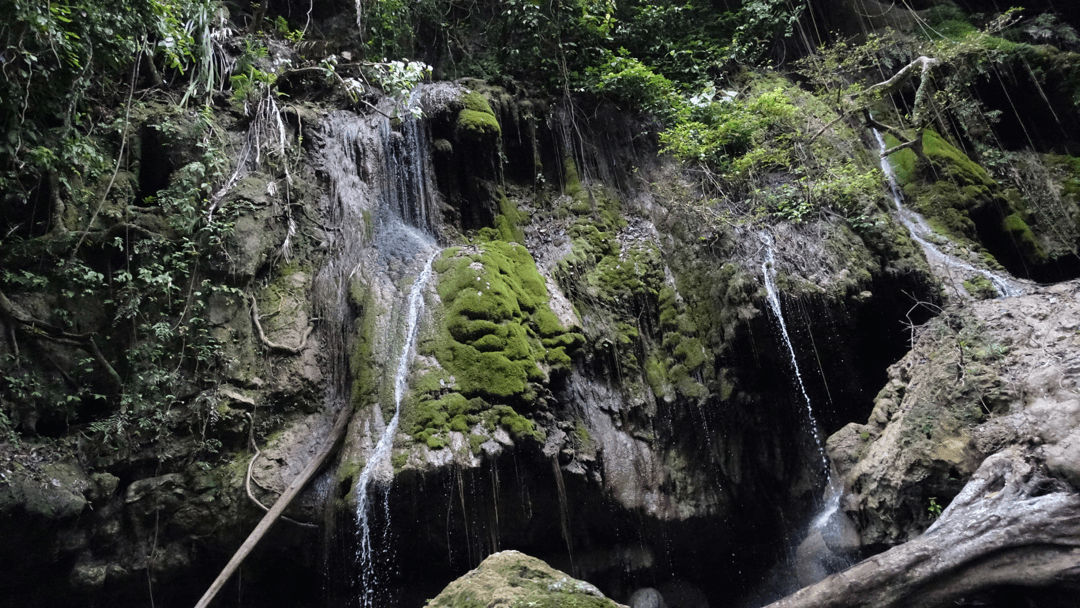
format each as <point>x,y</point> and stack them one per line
<point>768,270</point>
<point>920,232</point>
<point>379,457</point>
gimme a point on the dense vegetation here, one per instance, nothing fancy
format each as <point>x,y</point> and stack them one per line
<point>159,185</point>
<point>82,80</point>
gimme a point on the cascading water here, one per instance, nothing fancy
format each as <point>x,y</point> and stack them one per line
<point>381,218</point>
<point>409,189</point>
<point>814,558</point>
<point>920,231</point>
<point>379,457</point>
<point>768,268</point>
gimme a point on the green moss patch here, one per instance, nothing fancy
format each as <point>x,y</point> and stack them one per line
<point>641,324</point>
<point>364,367</point>
<point>498,341</point>
<point>476,121</point>
<point>980,288</point>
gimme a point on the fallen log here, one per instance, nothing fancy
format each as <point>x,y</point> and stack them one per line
<point>1011,525</point>
<point>271,517</point>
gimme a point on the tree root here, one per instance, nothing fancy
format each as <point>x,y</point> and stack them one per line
<point>248,479</point>
<point>274,346</point>
<point>1011,525</point>
<point>42,329</point>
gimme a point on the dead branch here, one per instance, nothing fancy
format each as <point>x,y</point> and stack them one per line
<point>920,66</point>
<point>915,144</point>
<point>271,517</point>
<point>274,346</point>
<point>830,125</point>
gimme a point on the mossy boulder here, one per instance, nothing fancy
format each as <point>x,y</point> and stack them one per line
<point>510,579</point>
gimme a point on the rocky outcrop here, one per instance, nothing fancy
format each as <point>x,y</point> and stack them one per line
<point>597,380</point>
<point>975,441</point>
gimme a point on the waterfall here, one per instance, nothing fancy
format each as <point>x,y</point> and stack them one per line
<point>814,555</point>
<point>409,189</point>
<point>380,217</point>
<point>379,456</point>
<point>920,231</point>
<point>768,269</point>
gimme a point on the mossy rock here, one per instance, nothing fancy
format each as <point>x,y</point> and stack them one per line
<point>498,342</point>
<point>1021,234</point>
<point>363,364</point>
<point>476,121</point>
<point>510,579</point>
<point>955,194</point>
<point>980,288</point>
<point>496,317</point>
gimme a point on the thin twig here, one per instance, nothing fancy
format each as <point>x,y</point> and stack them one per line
<point>119,156</point>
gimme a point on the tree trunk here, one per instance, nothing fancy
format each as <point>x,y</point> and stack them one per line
<point>1011,525</point>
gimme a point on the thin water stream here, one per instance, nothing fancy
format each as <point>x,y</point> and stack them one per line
<point>379,457</point>
<point>382,212</point>
<point>831,499</point>
<point>921,232</point>
<point>768,270</point>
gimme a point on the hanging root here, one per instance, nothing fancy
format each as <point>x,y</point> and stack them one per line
<point>248,479</point>
<point>274,346</point>
<point>268,520</point>
<point>41,329</point>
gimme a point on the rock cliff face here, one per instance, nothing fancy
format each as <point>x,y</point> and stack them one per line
<point>596,379</point>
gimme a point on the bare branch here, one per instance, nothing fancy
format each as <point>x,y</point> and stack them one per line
<point>921,66</point>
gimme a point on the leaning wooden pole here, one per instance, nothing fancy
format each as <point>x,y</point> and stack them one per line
<point>275,512</point>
